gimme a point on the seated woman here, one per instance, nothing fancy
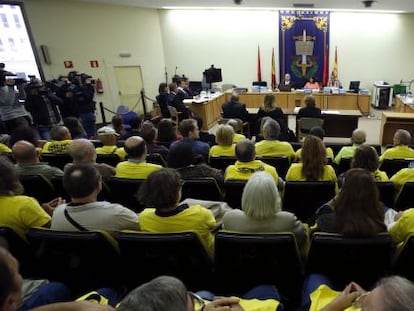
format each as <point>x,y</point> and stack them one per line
<point>149,133</point>
<point>262,211</point>
<point>269,109</point>
<point>366,157</point>
<point>225,146</point>
<point>318,132</point>
<point>312,84</point>
<point>160,194</point>
<point>313,163</point>
<point>75,127</point>
<point>181,158</point>
<point>356,211</point>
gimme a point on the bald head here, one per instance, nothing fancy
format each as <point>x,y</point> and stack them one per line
<point>82,151</point>
<point>135,148</point>
<point>358,137</point>
<point>402,137</point>
<point>25,152</point>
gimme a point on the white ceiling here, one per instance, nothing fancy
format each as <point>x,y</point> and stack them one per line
<point>354,5</point>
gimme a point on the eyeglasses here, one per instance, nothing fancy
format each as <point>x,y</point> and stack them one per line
<point>198,302</point>
<point>359,302</point>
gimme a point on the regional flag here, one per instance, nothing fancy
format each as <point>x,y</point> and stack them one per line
<point>259,67</point>
<point>273,70</point>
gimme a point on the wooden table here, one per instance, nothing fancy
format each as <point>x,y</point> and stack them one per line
<point>392,121</point>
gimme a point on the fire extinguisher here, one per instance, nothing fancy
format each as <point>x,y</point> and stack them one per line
<point>99,86</point>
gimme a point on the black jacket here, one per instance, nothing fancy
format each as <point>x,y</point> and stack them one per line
<point>235,110</point>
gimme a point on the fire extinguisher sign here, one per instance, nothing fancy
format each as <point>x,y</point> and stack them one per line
<point>94,63</point>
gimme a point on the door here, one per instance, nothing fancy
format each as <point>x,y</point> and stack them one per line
<point>130,84</point>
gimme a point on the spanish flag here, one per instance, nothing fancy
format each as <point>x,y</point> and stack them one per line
<point>273,70</point>
<point>334,74</point>
<point>259,67</point>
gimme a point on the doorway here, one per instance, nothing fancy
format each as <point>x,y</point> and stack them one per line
<point>130,84</point>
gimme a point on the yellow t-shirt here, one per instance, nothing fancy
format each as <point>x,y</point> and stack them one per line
<point>120,152</point>
<point>238,137</point>
<point>21,213</point>
<point>397,152</point>
<point>329,153</point>
<point>274,148</point>
<point>188,218</point>
<point>295,173</point>
<point>322,296</point>
<point>4,148</point>
<point>135,170</point>
<point>56,146</point>
<point>222,151</point>
<point>403,227</point>
<point>401,177</point>
<point>243,170</point>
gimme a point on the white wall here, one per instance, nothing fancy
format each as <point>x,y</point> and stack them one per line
<point>82,32</point>
<point>371,47</point>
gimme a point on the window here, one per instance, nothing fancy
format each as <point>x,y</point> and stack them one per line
<point>1,46</point>
<point>12,44</point>
<point>17,21</point>
<point>4,20</point>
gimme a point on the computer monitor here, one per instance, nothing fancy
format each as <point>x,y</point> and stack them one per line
<point>213,75</point>
<point>195,86</point>
<point>354,86</point>
<point>260,83</point>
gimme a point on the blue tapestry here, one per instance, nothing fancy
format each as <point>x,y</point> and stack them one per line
<point>304,45</point>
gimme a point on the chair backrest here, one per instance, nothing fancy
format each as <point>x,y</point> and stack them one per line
<point>343,259</point>
<point>156,158</point>
<point>392,166</point>
<point>123,191</point>
<point>58,160</point>
<point>259,259</point>
<point>344,165</point>
<point>305,124</point>
<point>39,187</point>
<point>202,188</point>
<point>386,191</point>
<point>110,159</point>
<point>303,198</point>
<point>222,162</point>
<point>336,147</point>
<point>20,249</point>
<point>281,164</point>
<point>81,259</point>
<point>233,191</point>
<point>147,255</point>
<point>405,199</point>
<point>403,263</point>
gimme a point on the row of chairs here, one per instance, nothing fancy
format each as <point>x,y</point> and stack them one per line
<point>85,260</point>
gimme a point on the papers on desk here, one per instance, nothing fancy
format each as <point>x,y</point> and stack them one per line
<point>296,110</point>
<point>195,101</point>
<point>330,112</point>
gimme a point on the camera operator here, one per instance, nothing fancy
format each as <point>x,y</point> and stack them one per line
<point>84,93</point>
<point>12,111</point>
<point>42,105</point>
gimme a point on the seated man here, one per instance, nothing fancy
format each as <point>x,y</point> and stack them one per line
<point>61,138</point>
<point>310,110</point>
<point>358,138</point>
<point>175,101</point>
<point>271,146</point>
<point>83,183</point>
<point>107,135</point>
<point>28,163</point>
<point>246,164</point>
<point>135,124</point>
<point>401,150</point>
<point>235,110</point>
<point>83,151</point>
<point>135,167</point>
<point>190,131</point>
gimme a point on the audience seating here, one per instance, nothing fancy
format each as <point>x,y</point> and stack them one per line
<point>83,260</point>
<point>243,127</point>
<point>110,159</point>
<point>19,248</point>
<point>202,188</point>
<point>392,166</point>
<point>343,166</point>
<point>147,255</point>
<point>295,145</point>
<point>403,262</point>
<point>281,164</point>
<point>304,125</point>
<point>58,160</point>
<point>386,192</point>
<point>254,259</point>
<point>303,198</point>
<point>39,187</point>
<point>222,162</point>
<point>156,158</point>
<point>405,198</point>
<point>233,191</point>
<point>124,190</point>
<point>344,259</point>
